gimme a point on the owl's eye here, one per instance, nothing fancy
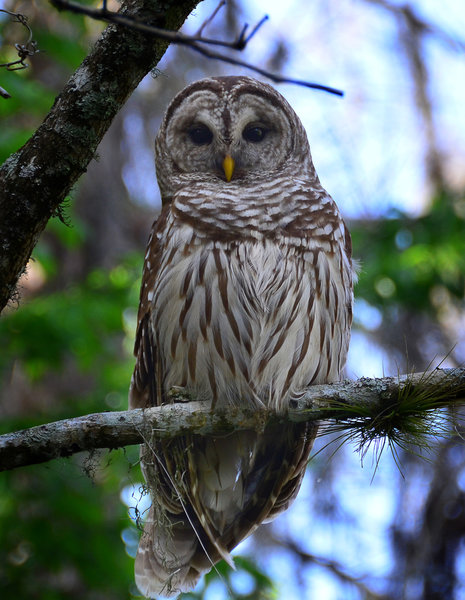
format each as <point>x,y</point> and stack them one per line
<point>200,135</point>
<point>255,134</point>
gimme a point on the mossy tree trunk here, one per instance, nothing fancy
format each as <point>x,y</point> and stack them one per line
<point>36,179</point>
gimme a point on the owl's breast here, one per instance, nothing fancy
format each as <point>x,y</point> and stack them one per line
<point>247,210</point>
<point>252,321</point>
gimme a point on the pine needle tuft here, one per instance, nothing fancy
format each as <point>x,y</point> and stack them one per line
<point>411,417</point>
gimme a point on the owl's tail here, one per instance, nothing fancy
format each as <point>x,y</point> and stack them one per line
<point>228,487</point>
<point>171,557</point>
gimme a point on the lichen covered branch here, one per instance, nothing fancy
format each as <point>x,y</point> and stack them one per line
<point>399,408</point>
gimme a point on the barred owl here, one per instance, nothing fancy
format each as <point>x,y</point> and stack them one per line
<point>246,299</point>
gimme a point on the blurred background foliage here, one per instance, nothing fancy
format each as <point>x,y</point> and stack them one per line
<point>68,528</point>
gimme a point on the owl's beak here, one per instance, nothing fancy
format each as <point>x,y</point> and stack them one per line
<point>228,166</point>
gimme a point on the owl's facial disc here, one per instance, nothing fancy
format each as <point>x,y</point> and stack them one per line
<point>205,129</point>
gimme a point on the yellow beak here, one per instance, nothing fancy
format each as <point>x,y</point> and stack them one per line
<point>228,166</point>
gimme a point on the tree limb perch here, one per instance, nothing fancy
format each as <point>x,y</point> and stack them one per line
<point>417,394</point>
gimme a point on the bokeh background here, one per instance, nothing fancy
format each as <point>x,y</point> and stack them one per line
<point>392,154</point>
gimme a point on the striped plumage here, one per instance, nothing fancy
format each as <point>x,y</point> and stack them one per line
<point>246,298</point>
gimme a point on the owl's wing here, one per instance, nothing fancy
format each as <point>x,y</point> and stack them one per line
<point>147,378</point>
<point>168,539</point>
<point>264,485</point>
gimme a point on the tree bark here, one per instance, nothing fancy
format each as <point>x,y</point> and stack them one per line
<point>371,399</point>
<point>37,178</point>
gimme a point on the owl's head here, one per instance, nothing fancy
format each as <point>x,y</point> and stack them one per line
<point>228,130</point>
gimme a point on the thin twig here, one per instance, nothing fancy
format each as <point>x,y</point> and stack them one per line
<point>332,566</point>
<point>272,76</point>
<point>24,50</point>
<point>174,37</point>
<point>4,93</point>
<point>209,19</point>
<point>194,42</point>
<point>243,41</point>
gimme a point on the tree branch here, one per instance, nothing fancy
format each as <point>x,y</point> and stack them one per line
<point>332,566</point>
<point>405,10</point>
<point>383,406</point>
<point>194,42</point>
<point>37,178</point>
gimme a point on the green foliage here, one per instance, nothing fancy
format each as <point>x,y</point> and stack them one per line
<point>63,43</point>
<point>61,524</point>
<point>83,325</point>
<point>60,527</point>
<point>17,127</point>
<point>418,263</point>
<point>68,51</point>
<point>62,539</point>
